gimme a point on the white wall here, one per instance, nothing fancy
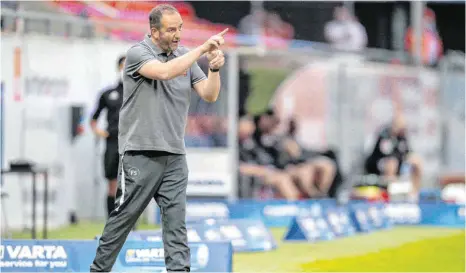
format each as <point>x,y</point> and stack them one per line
<point>55,73</point>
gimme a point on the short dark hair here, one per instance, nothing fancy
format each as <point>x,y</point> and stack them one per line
<point>155,15</point>
<point>120,61</point>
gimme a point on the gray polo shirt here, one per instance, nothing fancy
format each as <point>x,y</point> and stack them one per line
<point>153,114</point>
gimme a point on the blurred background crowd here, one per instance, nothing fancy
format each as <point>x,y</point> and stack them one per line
<point>325,94</point>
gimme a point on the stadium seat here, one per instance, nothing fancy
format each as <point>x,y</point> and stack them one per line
<point>144,7</point>
<point>129,19</point>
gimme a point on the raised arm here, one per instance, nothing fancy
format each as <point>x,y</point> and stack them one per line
<point>154,69</point>
<point>209,89</point>
<point>165,71</point>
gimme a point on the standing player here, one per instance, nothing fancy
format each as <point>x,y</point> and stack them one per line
<point>158,79</point>
<point>110,100</point>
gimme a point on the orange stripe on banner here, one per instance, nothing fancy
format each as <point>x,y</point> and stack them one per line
<point>17,62</point>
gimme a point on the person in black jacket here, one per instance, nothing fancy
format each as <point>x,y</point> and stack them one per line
<point>316,169</point>
<point>390,151</point>
<point>312,176</point>
<point>110,100</point>
<point>254,161</point>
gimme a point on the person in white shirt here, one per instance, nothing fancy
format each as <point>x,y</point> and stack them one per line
<point>345,32</point>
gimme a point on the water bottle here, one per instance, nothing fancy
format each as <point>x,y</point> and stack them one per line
<point>405,176</point>
<point>400,190</point>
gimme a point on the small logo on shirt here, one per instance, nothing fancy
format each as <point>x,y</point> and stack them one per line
<point>133,172</point>
<point>185,73</point>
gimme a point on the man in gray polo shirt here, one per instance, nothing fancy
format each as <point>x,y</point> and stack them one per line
<point>158,80</point>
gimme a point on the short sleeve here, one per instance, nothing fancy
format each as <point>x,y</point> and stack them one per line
<point>197,74</point>
<point>136,57</point>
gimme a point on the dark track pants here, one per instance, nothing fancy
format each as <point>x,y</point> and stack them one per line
<point>144,175</point>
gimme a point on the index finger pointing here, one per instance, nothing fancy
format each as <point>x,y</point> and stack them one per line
<point>223,32</point>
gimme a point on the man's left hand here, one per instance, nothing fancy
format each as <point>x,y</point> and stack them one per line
<point>216,59</point>
<point>212,54</point>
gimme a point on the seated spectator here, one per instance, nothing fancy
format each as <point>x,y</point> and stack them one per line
<point>271,150</point>
<point>251,159</point>
<point>390,151</point>
<point>324,168</point>
<point>314,175</point>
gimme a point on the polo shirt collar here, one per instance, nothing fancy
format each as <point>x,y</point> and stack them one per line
<point>157,49</point>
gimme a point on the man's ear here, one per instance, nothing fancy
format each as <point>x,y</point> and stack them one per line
<point>154,32</point>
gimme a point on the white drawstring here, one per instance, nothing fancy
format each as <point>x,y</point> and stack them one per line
<point>122,198</point>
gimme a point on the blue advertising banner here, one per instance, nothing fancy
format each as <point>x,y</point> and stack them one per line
<point>46,255</point>
<point>201,210</point>
<point>461,213</point>
<point>378,216</point>
<point>77,256</point>
<point>442,214</point>
<point>369,216</point>
<point>281,213</point>
<point>340,222</point>
<point>308,228</point>
<point>140,256</point>
<point>197,211</point>
<point>360,217</point>
<point>434,213</point>
<point>245,235</point>
<point>274,213</point>
<point>404,213</point>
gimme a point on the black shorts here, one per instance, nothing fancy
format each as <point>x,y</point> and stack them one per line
<point>376,165</point>
<point>111,160</point>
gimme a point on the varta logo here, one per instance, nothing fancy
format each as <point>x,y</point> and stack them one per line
<point>34,252</point>
<point>144,254</point>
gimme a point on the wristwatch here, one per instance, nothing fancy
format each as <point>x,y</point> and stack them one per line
<point>214,70</point>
